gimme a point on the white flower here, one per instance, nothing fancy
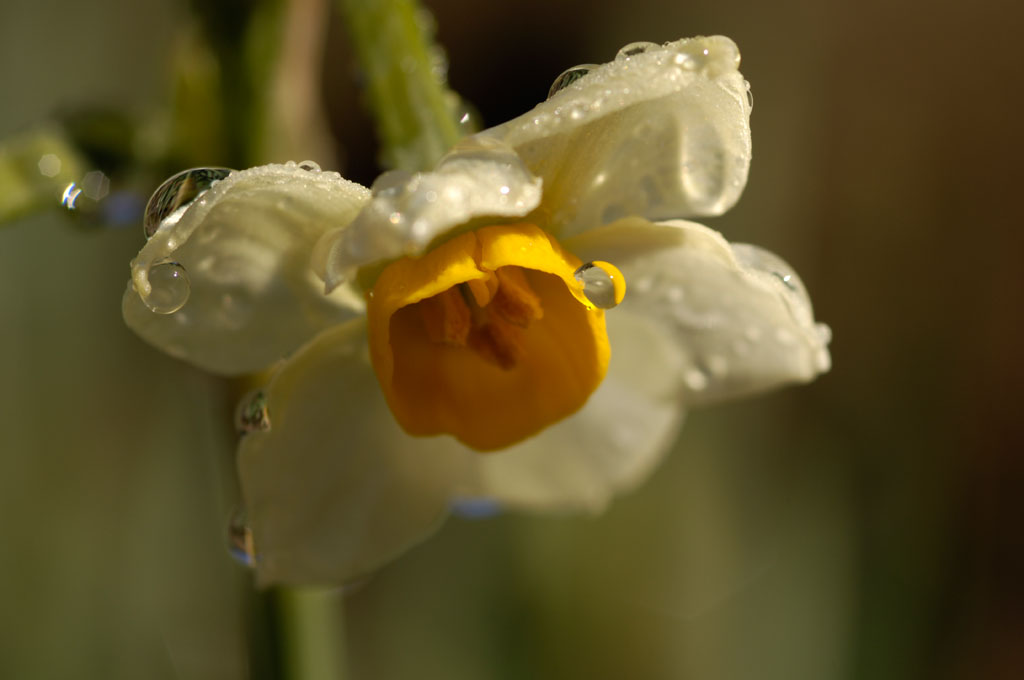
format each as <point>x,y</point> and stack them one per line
<point>452,307</point>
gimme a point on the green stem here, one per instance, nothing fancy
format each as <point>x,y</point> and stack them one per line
<point>414,110</point>
<point>312,634</point>
<point>416,116</point>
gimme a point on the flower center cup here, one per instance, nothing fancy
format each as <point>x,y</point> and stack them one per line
<point>488,337</point>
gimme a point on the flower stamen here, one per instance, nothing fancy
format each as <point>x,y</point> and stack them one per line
<point>486,315</point>
<point>446,318</point>
<point>488,337</point>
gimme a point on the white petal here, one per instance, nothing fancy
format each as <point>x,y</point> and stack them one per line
<point>610,446</point>
<point>334,489</point>
<point>476,179</point>
<point>662,133</point>
<point>740,319</point>
<point>246,246</point>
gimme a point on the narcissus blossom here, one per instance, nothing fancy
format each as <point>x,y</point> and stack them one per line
<point>515,325</point>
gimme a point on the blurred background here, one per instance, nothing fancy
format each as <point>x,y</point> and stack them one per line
<point>865,526</point>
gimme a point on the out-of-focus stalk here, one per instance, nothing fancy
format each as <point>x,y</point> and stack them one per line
<point>417,116</point>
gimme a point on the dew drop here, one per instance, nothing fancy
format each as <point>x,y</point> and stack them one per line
<point>824,333</point>
<point>718,365</point>
<point>391,183</point>
<point>569,76</point>
<point>466,117</point>
<point>253,414</point>
<point>170,288</point>
<point>177,192</point>
<point>695,379</point>
<point>635,48</point>
<point>764,261</point>
<point>309,166</point>
<point>785,337</point>
<point>603,283</point>
<point>240,543</point>
<point>686,61</point>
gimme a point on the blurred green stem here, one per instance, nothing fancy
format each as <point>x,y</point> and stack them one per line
<point>312,634</point>
<point>416,122</point>
<point>415,112</point>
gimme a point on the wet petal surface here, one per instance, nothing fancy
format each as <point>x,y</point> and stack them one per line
<point>660,132</point>
<point>739,325</point>
<point>335,488</point>
<point>243,293</point>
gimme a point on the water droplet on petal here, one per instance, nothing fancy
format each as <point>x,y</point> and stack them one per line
<point>603,283</point>
<point>824,333</point>
<point>695,379</point>
<point>718,365</point>
<point>763,260</point>
<point>253,414</point>
<point>466,116</point>
<point>170,288</point>
<point>635,48</point>
<point>240,543</point>
<point>570,76</point>
<point>310,166</point>
<point>176,193</point>
<point>391,183</point>
<point>785,337</point>
<point>686,61</point>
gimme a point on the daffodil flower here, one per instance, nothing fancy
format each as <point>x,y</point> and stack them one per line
<point>511,326</point>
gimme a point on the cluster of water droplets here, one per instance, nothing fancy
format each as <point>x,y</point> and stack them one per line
<point>687,60</point>
<point>251,415</point>
<point>688,156</point>
<point>479,177</point>
<point>170,286</point>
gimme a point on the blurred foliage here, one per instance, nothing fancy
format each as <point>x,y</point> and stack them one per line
<point>34,170</point>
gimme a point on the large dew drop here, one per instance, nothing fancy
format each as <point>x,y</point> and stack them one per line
<point>635,48</point>
<point>176,193</point>
<point>170,288</point>
<point>252,414</point>
<point>569,76</point>
<point>240,543</point>
<point>603,283</point>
